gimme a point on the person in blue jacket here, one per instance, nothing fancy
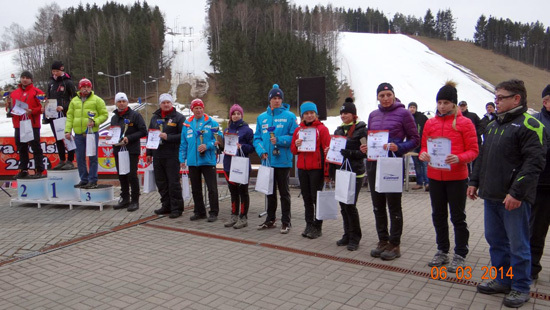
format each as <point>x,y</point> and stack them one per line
<point>198,151</point>
<point>272,139</point>
<point>240,199</point>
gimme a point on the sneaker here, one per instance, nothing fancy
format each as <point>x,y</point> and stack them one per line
<point>162,210</point>
<point>440,258</point>
<point>516,299</point>
<point>68,166</point>
<point>122,203</point>
<point>90,185</point>
<point>134,206</point>
<point>232,221</point>
<point>391,252</point>
<point>267,225</point>
<point>458,261</point>
<point>21,175</point>
<point>342,242</point>
<point>196,217</point>
<point>241,223</point>
<point>60,165</point>
<point>493,287</point>
<point>382,245</point>
<point>315,232</point>
<point>353,247</point>
<point>417,186</point>
<point>285,228</point>
<point>307,230</point>
<point>81,185</point>
<point>212,218</point>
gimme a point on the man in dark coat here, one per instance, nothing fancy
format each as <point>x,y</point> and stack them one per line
<point>475,120</point>
<point>420,167</point>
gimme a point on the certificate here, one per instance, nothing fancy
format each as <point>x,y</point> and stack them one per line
<point>69,144</point>
<point>153,139</point>
<point>438,149</point>
<point>114,133</point>
<point>230,145</point>
<point>375,143</point>
<point>50,111</point>
<point>337,143</point>
<point>19,108</point>
<point>309,139</point>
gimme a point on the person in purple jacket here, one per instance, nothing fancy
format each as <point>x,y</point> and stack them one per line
<point>392,116</point>
<point>239,192</point>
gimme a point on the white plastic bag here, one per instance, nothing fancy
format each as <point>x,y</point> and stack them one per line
<point>345,184</point>
<point>389,175</point>
<point>327,207</point>
<point>149,184</point>
<point>25,130</point>
<point>123,161</point>
<point>240,169</point>
<point>185,190</point>
<point>264,180</point>
<point>91,148</point>
<point>59,126</point>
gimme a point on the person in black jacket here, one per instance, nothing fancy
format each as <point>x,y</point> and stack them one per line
<point>540,213</point>
<point>132,128</point>
<point>62,88</point>
<point>475,120</point>
<point>420,167</point>
<point>487,118</point>
<point>354,130</point>
<point>511,158</point>
<point>166,158</point>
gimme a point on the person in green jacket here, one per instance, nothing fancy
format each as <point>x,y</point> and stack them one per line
<point>86,112</point>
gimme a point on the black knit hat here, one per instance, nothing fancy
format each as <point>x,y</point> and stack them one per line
<point>26,74</point>
<point>348,107</point>
<point>384,86</point>
<point>448,92</point>
<point>490,103</point>
<point>349,99</point>
<point>412,104</point>
<point>57,65</point>
<point>546,91</point>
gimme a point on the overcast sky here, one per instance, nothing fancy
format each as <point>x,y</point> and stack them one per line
<point>192,13</point>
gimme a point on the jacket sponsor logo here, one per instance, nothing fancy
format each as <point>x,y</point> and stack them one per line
<point>189,131</point>
<point>172,124</point>
<point>264,126</point>
<point>280,126</point>
<point>190,135</point>
<point>264,121</point>
<point>281,120</point>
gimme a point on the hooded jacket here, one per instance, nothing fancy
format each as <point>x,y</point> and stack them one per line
<point>246,140</point>
<point>284,123</point>
<point>355,157</point>
<point>173,124</point>
<point>463,144</point>
<point>136,130</point>
<point>511,158</point>
<point>193,129</point>
<point>28,96</point>
<point>63,89</point>
<point>77,115</point>
<point>312,160</point>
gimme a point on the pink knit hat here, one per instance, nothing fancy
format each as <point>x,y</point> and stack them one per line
<point>234,108</point>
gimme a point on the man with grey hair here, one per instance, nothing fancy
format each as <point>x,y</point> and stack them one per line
<point>165,158</point>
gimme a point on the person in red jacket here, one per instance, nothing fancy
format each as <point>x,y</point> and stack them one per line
<point>448,180</point>
<point>27,93</point>
<point>311,165</point>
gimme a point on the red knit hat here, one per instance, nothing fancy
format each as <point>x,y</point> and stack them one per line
<point>196,103</point>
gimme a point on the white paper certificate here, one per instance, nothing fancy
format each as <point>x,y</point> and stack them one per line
<point>309,139</point>
<point>230,146</point>
<point>114,133</point>
<point>70,144</point>
<point>153,139</point>
<point>337,143</point>
<point>375,143</point>
<point>51,109</point>
<point>19,108</point>
<point>438,149</point>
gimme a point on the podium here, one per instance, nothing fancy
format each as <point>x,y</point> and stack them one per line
<point>102,193</point>
<point>61,185</point>
<point>32,189</point>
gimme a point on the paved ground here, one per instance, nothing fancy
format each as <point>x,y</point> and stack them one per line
<point>56,258</point>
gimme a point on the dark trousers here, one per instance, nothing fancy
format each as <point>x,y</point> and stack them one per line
<point>350,217</point>
<point>167,177</point>
<point>379,201</point>
<point>209,173</point>
<point>240,200</point>
<point>539,222</point>
<point>129,180</point>
<point>311,181</point>
<point>445,196</point>
<point>23,149</point>
<point>281,182</point>
<point>61,147</point>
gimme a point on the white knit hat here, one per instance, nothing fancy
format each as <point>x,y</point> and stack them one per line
<point>165,97</point>
<point>120,97</point>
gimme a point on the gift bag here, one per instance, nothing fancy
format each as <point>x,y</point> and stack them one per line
<point>264,180</point>
<point>389,175</point>
<point>185,190</point>
<point>327,207</point>
<point>59,126</point>
<point>149,184</point>
<point>123,161</point>
<point>345,184</point>
<point>25,130</point>
<point>91,148</point>
<point>240,168</point>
